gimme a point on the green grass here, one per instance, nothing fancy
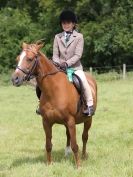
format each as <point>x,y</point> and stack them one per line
<point>110,145</point>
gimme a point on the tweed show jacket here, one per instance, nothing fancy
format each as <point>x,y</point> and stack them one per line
<point>70,52</point>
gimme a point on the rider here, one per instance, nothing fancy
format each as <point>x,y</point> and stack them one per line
<point>67,52</point>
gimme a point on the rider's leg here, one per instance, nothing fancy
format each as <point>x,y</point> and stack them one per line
<point>88,94</point>
<point>38,93</point>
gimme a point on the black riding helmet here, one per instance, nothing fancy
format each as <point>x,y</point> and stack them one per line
<point>67,15</point>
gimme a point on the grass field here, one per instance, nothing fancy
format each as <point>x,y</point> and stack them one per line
<point>110,145</point>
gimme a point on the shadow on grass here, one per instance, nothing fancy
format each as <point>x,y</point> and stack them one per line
<point>57,156</point>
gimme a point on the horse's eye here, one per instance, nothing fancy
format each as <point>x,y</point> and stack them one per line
<point>29,59</point>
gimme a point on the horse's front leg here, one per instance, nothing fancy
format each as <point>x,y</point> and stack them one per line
<point>48,133</point>
<point>68,148</point>
<point>72,130</point>
<point>87,126</point>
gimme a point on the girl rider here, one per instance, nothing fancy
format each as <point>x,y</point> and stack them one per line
<point>67,52</point>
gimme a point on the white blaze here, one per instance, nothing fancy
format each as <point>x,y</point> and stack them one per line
<point>23,54</point>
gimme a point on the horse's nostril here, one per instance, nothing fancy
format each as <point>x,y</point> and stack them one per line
<point>15,80</point>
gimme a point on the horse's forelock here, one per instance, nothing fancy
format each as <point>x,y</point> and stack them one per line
<point>32,47</point>
<point>17,59</point>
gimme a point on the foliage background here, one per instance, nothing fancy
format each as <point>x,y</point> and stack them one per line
<point>107,27</point>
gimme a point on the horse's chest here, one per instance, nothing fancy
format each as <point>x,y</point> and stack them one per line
<point>52,115</point>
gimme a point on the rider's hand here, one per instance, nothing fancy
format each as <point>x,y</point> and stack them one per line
<point>63,66</point>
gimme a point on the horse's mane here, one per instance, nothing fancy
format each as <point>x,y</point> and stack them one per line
<point>42,54</point>
<point>50,63</point>
<point>47,60</point>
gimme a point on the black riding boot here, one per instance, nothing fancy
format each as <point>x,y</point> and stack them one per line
<point>89,111</point>
<point>38,93</point>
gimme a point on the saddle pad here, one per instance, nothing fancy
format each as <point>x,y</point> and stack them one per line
<point>70,72</point>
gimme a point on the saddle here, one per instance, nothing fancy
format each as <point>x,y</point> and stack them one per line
<point>79,86</point>
<point>77,83</point>
<point>75,79</point>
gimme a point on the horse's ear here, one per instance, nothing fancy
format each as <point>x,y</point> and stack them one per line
<point>24,45</point>
<point>40,43</point>
<point>40,46</point>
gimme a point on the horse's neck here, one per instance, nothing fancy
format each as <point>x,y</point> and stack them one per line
<point>45,64</point>
<point>45,67</point>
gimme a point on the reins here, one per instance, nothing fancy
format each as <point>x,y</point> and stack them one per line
<point>49,74</point>
<point>54,72</point>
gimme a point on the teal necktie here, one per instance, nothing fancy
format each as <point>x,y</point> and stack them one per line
<point>67,38</point>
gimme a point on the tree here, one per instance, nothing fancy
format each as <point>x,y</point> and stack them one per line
<point>107,27</point>
<point>16,27</point>
<point>107,31</point>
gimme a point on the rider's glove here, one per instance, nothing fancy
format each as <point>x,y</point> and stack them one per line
<point>63,66</point>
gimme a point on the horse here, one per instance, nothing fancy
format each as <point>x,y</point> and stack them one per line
<point>59,98</point>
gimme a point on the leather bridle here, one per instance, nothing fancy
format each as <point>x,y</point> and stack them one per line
<point>29,74</point>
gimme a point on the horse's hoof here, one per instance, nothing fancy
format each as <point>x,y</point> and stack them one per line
<point>78,165</point>
<point>89,111</point>
<point>49,163</point>
<point>85,156</point>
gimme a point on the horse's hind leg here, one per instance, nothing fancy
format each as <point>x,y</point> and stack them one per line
<point>87,126</point>
<point>48,133</point>
<point>68,148</point>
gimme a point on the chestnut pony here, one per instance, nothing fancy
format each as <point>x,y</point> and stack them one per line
<point>59,99</point>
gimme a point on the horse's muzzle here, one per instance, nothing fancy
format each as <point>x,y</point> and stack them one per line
<point>17,81</point>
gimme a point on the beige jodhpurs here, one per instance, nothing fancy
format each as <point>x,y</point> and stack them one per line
<point>86,86</point>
